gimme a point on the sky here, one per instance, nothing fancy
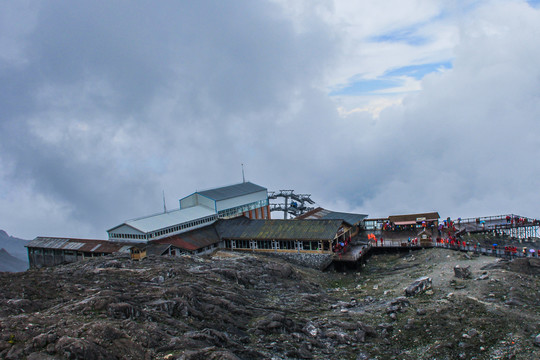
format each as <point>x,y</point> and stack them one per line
<point>375,107</point>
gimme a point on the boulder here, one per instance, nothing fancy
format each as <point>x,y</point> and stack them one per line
<point>339,336</point>
<point>301,353</point>
<point>40,356</point>
<point>418,286</point>
<point>103,333</point>
<point>282,271</point>
<point>73,348</point>
<point>123,311</point>
<point>15,352</point>
<point>369,330</point>
<point>360,335</point>
<point>462,272</point>
<point>310,329</point>
<point>421,311</point>
<point>398,305</point>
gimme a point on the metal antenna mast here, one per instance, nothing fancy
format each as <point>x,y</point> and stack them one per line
<point>164,205</point>
<point>243,177</point>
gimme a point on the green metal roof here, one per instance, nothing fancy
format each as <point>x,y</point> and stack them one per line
<point>250,229</point>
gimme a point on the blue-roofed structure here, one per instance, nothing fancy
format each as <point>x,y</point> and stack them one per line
<point>197,210</point>
<point>246,199</point>
<point>232,191</point>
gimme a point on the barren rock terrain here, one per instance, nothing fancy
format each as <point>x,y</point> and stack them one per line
<point>245,306</point>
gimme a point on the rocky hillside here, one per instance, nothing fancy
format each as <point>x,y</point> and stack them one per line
<point>243,306</point>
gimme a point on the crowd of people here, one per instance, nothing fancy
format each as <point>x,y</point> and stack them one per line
<point>379,241</point>
<point>508,250</point>
<point>520,220</point>
<point>341,246</point>
<point>449,236</point>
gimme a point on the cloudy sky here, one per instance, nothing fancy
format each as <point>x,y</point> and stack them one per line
<point>379,107</point>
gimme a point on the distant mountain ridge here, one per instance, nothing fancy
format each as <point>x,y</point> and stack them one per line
<point>13,248</point>
<point>10,263</point>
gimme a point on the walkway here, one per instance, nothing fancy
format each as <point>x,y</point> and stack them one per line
<point>357,252</point>
<point>511,224</point>
<point>492,251</point>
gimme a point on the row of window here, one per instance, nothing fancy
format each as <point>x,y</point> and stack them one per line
<point>242,208</point>
<point>221,214</point>
<point>183,226</point>
<point>40,251</point>
<point>166,231</point>
<point>56,252</point>
<point>273,245</point>
<point>127,236</point>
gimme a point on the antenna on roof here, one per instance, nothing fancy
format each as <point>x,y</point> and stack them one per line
<point>164,205</point>
<point>243,177</point>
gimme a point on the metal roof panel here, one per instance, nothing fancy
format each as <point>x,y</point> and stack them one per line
<point>47,243</point>
<point>73,245</point>
<point>320,213</point>
<point>308,229</point>
<point>95,247</point>
<point>82,245</point>
<point>171,218</point>
<point>232,191</point>
<point>192,240</point>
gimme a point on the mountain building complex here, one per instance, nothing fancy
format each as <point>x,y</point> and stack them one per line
<point>196,211</point>
<point>237,217</point>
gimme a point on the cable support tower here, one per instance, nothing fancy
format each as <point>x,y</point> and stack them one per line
<point>295,204</point>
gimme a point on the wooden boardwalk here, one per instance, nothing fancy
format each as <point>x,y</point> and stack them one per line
<point>354,253</point>
<point>357,252</point>
<point>511,225</point>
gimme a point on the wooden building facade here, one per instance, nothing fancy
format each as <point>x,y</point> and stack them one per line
<point>48,251</point>
<point>301,236</point>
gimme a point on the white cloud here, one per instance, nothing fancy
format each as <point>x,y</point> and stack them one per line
<point>92,134</point>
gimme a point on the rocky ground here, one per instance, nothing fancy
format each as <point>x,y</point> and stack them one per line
<point>242,306</point>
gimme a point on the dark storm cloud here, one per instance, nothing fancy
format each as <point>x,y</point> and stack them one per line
<point>104,105</point>
<point>111,102</point>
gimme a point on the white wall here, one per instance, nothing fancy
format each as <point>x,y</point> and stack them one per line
<point>241,200</point>
<point>126,229</point>
<point>189,201</point>
<point>204,201</point>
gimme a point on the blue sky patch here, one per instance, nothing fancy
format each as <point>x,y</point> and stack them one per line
<point>365,87</point>
<point>391,79</point>
<point>418,71</point>
<point>407,35</point>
